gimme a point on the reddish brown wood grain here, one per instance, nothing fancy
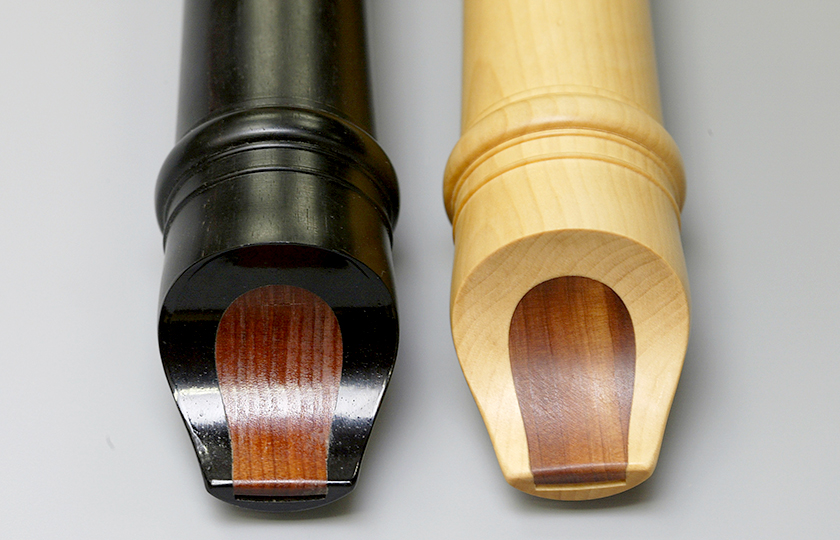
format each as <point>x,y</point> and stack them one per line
<point>573,355</point>
<point>278,357</point>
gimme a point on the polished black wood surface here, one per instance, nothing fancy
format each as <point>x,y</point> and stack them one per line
<point>276,180</point>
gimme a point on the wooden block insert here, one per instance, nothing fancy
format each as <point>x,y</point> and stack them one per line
<point>573,355</point>
<point>278,358</point>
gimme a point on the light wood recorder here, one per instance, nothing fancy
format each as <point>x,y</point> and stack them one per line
<point>570,303</point>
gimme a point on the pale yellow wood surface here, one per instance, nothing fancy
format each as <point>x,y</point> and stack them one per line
<point>564,169</point>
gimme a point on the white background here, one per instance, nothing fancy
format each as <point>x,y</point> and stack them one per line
<point>91,443</point>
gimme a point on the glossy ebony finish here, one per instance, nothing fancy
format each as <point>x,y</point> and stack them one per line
<point>276,180</point>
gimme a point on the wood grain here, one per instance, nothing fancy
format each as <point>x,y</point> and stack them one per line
<point>573,355</point>
<point>564,169</point>
<point>278,357</point>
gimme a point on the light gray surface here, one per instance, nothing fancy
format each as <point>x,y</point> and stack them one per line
<point>91,441</point>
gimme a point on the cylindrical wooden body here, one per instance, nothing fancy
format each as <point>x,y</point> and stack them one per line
<point>253,53</point>
<point>564,169</point>
<point>562,47</point>
<point>276,184</point>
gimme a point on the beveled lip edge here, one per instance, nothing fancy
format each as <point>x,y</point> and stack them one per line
<point>636,474</point>
<point>222,488</point>
<point>336,489</point>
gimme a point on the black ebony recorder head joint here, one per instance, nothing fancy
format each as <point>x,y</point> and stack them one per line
<point>278,322</point>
